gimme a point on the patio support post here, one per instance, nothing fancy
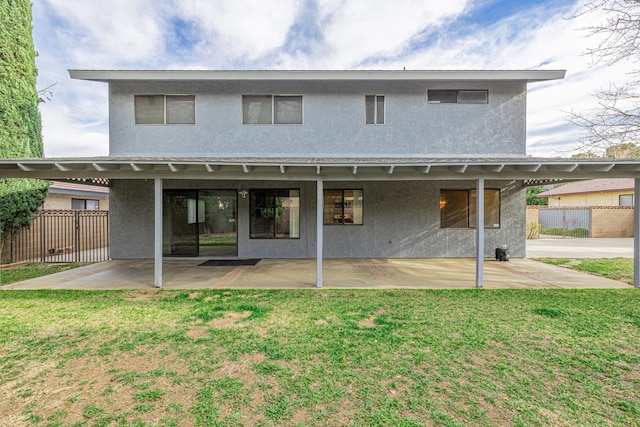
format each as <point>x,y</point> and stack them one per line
<point>480,233</point>
<point>636,233</point>
<point>157,232</point>
<point>319,230</point>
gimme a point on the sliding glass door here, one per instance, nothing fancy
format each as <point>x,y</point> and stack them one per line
<point>217,233</point>
<point>200,223</point>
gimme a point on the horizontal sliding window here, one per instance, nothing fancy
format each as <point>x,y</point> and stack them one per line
<point>275,214</point>
<point>165,109</point>
<point>271,109</point>
<point>458,208</point>
<point>343,207</point>
<point>458,96</point>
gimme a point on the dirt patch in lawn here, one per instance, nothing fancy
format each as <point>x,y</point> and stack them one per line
<point>229,320</point>
<point>142,296</point>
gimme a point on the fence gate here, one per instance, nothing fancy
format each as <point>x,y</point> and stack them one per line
<point>572,221</point>
<point>62,236</point>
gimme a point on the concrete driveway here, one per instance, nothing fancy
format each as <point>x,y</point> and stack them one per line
<point>432,273</point>
<point>571,247</point>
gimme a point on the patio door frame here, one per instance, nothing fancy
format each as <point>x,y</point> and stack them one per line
<point>198,193</point>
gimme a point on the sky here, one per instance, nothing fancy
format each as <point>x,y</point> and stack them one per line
<point>317,35</point>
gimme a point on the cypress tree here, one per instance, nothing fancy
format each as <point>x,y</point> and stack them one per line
<point>20,128</point>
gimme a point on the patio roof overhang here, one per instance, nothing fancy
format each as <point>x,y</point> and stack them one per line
<point>321,170</point>
<point>313,169</point>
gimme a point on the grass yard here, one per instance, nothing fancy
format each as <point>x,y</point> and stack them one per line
<point>612,268</point>
<point>30,271</point>
<point>320,357</point>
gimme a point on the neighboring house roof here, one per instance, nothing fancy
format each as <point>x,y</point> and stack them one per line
<point>591,186</point>
<point>59,187</point>
<point>345,75</point>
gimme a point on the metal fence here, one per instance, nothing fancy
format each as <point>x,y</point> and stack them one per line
<point>61,236</point>
<point>575,222</point>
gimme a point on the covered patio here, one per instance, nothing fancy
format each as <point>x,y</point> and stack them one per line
<point>321,171</point>
<point>426,273</point>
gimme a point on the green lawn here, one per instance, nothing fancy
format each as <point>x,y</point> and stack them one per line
<point>320,357</point>
<point>30,271</point>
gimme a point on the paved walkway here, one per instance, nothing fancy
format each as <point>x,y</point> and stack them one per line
<point>433,273</point>
<point>571,247</point>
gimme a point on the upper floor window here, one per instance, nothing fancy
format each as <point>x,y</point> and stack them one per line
<point>165,109</point>
<point>374,109</point>
<point>458,96</point>
<point>272,109</point>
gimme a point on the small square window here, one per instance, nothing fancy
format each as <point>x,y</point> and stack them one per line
<point>343,207</point>
<point>275,214</point>
<point>625,200</point>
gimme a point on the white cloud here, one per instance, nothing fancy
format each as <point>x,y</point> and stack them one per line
<point>289,34</point>
<point>101,34</point>
<point>355,30</point>
<point>234,29</point>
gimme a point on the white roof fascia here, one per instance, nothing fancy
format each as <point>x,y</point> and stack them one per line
<point>321,75</point>
<point>330,168</point>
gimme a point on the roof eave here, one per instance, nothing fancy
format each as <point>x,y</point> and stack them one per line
<point>529,76</point>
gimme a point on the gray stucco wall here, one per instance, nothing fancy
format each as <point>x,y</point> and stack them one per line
<point>333,121</point>
<point>401,220</point>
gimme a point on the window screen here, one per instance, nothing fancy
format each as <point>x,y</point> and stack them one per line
<point>149,109</point>
<point>288,109</point>
<point>181,109</point>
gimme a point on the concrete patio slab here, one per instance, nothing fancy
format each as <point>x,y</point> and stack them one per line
<point>573,247</point>
<point>432,273</point>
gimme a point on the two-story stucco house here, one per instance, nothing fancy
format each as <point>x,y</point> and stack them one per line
<point>282,155</point>
<point>318,164</point>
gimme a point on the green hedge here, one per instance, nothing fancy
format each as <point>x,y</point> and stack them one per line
<point>20,128</point>
<point>558,231</point>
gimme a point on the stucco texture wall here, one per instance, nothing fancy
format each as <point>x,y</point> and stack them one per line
<point>401,220</point>
<point>333,121</point>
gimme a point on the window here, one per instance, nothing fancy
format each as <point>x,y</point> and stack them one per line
<point>165,109</point>
<point>458,208</point>
<point>85,204</point>
<point>343,207</point>
<point>271,109</point>
<point>374,109</point>
<point>458,96</point>
<point>625,200</point>
<point>275,214</point>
